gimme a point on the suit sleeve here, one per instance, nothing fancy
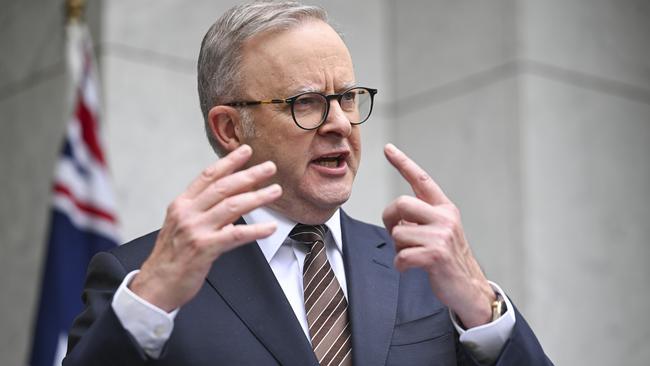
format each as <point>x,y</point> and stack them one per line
<point>522,348</point>
<point>97,336</point>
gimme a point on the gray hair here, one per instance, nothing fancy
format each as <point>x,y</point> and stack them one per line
<point>220,57</point>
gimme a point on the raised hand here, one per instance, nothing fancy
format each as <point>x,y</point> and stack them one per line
<point>198,228</point>
<point>428,234</point>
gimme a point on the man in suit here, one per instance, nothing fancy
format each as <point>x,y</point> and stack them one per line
<point>256,264</point>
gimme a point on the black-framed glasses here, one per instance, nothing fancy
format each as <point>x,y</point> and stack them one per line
<point>310,109</point>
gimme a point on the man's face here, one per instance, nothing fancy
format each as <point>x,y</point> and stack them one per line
<point>316,168</point>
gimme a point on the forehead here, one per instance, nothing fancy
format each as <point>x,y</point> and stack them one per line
<point>310,56</point>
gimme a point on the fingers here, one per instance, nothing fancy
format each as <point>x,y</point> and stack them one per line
<point>406,208</point>
<point>227,236</point>
<point>407,236</point>
<point>415,211</point>
<point>198,228</point>
<point>428,234</point>
<point>429,248</point>
<point>241,181</point>
<point>232,236</point>
<point>414,257</point>
<point>222,167</point>
<point>231,208</point>
<point>423,186</point>
<point>435,231</point>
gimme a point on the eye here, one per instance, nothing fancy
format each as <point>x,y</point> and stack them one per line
<point>349,95</point>
<point>348,100</point>
<point>307,102</point>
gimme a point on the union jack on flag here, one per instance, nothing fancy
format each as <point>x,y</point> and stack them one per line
<point>83,219</point>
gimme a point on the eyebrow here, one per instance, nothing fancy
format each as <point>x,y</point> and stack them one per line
<point>349,85</point>
<point>308,89</point>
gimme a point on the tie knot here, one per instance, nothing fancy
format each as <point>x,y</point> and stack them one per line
<point>308,234</point>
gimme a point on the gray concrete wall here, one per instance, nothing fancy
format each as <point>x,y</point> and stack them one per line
<point>585,122</point>
<point>533,115</point>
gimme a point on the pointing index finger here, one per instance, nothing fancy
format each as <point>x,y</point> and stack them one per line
<point>424,187</point>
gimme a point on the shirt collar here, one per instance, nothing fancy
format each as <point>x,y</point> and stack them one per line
<point>273,242</point>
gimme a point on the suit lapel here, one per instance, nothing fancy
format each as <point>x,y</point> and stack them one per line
<point>245,281</point>
<point>372,290</point>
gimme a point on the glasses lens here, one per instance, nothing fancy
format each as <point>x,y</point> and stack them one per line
<point>357,104</point>
<point>309,110</point>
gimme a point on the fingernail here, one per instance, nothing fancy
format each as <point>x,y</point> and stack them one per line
<point>267,167</point>
<point>391,147</point>
<point>269,227</point>
<point>273,189</point>
<point>245,149</point>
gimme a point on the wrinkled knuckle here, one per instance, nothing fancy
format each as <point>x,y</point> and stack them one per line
<point>249,179</point>
<point>237,234</point>
<point>397,232</point>
<point>185,229</point>
<point>445,257</point>
<point>435,255</point>
<point>219,190</point>
<point>402,202</point>
<point>175,211</point>
<point>189,239</point>
<point>194,242</point>
<point>401,256</point>
<point>232,206</point>
<point>208,173</point>
<point>447,234</point>
<point>423,177</point>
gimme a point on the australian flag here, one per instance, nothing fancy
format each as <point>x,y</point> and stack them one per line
<point>83,219</point>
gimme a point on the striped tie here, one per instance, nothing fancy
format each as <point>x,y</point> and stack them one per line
<point>325,303</point>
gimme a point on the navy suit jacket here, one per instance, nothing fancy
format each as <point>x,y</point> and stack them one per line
<point>241,316</point>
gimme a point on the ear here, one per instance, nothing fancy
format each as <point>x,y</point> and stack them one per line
<point>224,124</point>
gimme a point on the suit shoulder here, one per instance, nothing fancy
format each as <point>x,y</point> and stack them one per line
<point>133,253</point>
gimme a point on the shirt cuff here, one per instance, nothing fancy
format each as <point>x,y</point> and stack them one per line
<point>486,341</point>
<point>149,325</point>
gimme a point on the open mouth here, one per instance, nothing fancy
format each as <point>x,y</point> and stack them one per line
<point>331,161</point>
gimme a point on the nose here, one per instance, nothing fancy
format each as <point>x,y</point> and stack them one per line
<point>336,122</point>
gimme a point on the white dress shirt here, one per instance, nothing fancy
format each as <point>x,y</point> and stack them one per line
<point>151,326</point>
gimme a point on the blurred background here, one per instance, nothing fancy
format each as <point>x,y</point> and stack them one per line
<point>533,115</point>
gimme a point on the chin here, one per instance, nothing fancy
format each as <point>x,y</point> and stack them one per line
<point>330,198</point>
<point>323,197</point>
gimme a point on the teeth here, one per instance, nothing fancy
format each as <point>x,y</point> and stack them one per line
<point>328,163</point>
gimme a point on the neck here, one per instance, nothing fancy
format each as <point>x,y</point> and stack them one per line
<point>304,214</point>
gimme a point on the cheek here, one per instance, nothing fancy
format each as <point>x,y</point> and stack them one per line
<point>290,155</point>
<point>271,139</point>
<point>355,144</point>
